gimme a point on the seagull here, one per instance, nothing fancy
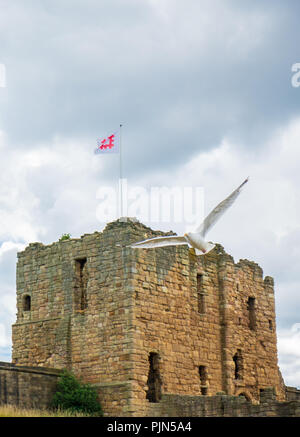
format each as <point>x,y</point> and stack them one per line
<point>194,239</point>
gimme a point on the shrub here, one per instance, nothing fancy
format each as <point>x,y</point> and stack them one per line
<point>75,396</point>
<point>65,237</point>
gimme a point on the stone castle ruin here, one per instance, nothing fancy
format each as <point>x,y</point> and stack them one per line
<point>159,332</point>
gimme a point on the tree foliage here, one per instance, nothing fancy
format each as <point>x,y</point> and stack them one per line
<point>75,396</point>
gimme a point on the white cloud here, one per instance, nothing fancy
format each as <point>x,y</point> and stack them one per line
<point>9,246</point>
<point>3,337</point>
<point>289,356</point>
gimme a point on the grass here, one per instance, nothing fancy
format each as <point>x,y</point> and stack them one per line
<point>13,411</point>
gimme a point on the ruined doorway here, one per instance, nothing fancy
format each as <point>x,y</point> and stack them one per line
<point>238,365</point>
<point>154,380</point>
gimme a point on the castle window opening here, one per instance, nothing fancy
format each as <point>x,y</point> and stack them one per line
<point>81,283</point>
<point>238,365</point>
<point>251,312</point>
<point>154,380</point>
<point>203,380</point>
<point>27,303</point>
<point>200,295</point>
<point>270,325</point>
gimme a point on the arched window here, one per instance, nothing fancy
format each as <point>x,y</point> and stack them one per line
<point>26,303</point>
<point>245,395</point>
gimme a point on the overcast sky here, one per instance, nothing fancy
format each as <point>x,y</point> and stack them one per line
<point>204,91</point>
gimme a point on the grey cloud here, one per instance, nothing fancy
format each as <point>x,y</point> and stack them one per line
<point>78,71</point>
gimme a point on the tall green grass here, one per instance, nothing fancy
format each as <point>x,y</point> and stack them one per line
<point>13,411</point>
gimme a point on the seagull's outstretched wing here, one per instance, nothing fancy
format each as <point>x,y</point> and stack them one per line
<point>219,210</point>
<point>170,240</point>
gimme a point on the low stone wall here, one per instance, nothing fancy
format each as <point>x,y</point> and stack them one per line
<point>27,387</point>
<point>223,406</point>
<point>292,394</point>
<point>33,387</point>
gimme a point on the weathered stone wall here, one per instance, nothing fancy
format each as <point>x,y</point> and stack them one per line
<point>224,406</point>
<point>258,345</point>
<point>94,340</point>
<point>168,322</point>
<point>115,398</point>
<point>27,387</point>
<point>103,310</point>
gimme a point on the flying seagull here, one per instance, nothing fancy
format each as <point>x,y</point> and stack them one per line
<point>194,239</point>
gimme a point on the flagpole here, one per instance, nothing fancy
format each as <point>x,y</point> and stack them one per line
<point>121,176</point>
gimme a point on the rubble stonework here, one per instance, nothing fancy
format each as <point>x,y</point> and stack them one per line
<point>143,325</point>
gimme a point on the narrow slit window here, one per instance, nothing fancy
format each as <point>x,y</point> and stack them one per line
<point>251,312</point>
<point>203,380</point>
<point>81,283</point>
<point>27,303</point>
<point>200,295</point>
<point>154,380</point>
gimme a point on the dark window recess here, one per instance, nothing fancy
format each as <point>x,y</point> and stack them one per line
<point>154,381</point>
<point>270,325</point>
<point>238,365</point>
<point>251,312</point>
<point>27,303</point>
<point>200,295</point>
<point>203,380</point>
<point>81,284</point>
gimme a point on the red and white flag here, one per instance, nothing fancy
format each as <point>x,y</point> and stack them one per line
<point>110,144</point>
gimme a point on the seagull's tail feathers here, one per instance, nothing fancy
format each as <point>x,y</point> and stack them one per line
<point>198,252</point>
<point>209,246</point>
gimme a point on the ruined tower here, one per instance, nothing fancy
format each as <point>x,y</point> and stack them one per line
<point>143,323</point>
